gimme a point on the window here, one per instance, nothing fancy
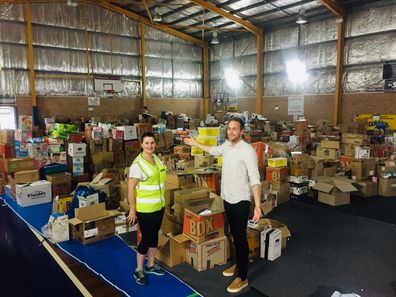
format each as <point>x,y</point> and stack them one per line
<point>7,117</point>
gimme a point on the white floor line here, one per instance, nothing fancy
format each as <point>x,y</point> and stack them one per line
<point>62,264</point>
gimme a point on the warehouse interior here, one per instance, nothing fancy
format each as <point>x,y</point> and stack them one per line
<point>314,82</point>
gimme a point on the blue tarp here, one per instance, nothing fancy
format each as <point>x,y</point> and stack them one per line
<point>110,258</point>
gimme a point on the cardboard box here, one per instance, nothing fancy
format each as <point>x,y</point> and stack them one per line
<point>331,144</point>
<point>38,150</point>
<point>115,145</point>
<point>25,123</point>
<point>60,158</point>
<point>7,150</point>
<point>277,162</point>
<point>61,204</point>
<point>355,139</point>
<point>38,192</point>
<point>203,161</point>
<point>270,223</point>
<point>26,176</point>
<point>171,250</point>
<point>19,164</point>
<point>362,152</point>
<point>348,149</point>
<point>270,243</point>
<point>387,187</point>
<point>366,188</point>
<point>363,168</point>
<point>200,228</point>
<point>77,149</point>
<point>178,179</point>
<point>92,223</point>
<point>334,191</point>
<point>60,182</point>
<point>130,132</point>
<point>7,136</point>
<point>330,154</point>
<point>253,238</point>
<point>208,254</point>
<point>278,174</point>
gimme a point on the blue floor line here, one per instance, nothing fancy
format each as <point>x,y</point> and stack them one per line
<point>110,258</point>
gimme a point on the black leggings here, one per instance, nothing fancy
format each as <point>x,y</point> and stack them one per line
<point>237,216</point>
<point>149,224</point>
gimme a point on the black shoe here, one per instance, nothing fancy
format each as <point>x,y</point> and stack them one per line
<point>140,277</point>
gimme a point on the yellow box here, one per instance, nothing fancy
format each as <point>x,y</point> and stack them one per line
<point>277,162</point>
<point>209,141</point>
<point>220,160</point>
<point>209,131</point>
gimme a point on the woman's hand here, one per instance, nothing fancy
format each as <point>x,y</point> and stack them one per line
<point>257,214</point>
<point>132,219</point>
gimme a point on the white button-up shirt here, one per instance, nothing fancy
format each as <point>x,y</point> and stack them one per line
<point>239,170</point>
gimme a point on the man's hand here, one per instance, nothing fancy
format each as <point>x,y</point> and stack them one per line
<point>257,214</point>
<point>189,141</point>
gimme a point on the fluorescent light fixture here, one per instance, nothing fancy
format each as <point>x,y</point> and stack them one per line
<point>301,17</point>
<point>232,78</point>
<point>157,17</point>
<point>215,40</point>
<point>296,71</point>
<point>72,3</point>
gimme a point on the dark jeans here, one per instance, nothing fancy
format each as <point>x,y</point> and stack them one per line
<point>149,224</point>
<point>237,216</point>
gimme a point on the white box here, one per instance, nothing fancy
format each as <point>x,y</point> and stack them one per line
<point>130,132</point>
<point>79,161</point>
<point>77,149</point>
<point>58,228</point>
<point>88,200</point>
<point>362,152</point>
<point>297,179</point>
<point>270,243</point>
<point>38,192</point>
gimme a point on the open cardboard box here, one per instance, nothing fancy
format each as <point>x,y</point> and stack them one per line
<point>335,190</point>
<point>92,223</point>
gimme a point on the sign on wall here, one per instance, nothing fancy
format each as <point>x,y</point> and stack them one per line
<point>295,105</point>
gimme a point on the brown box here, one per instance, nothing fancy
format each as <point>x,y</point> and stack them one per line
<point>366,188</point>
<point>200,228</point>
<point>26,176</point>
<point>208,254</point>
<point>19,164</point>
<point>330,144</point>
<point>178,180</point>
<point>7,136</point>
<point>327,153</point>
<point>7,150</point>
<point>61,183</point>
<point>92,223</point>
<point>334,191</point>
<point>115,145</point>
<point>363,168</point>
<point>171,250</point>
<point>387,187</point>
<point>276,174</point>
<point>203,161</point>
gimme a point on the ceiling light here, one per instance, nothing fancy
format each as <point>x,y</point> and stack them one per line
<point>296,70</point>
<point>215,40</point>
<point>301,17</point>
<point>157,17</point>
<point>72,3</point>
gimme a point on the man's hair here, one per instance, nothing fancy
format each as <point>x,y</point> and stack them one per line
<point>147,134</point>
<point>239,120</point>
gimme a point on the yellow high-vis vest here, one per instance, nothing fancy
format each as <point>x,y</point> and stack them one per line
<point>150,193</point>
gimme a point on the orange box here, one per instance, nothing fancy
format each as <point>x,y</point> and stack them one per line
<point>7,150</point>
<point>276,174</point>
<point>201,228</point>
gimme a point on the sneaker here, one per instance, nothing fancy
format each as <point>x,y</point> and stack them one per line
<point>237,285</point>
<point>230,271</point>
<point>140,277</point>
<point>155,269</point>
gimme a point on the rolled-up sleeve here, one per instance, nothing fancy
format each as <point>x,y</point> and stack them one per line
<point>252,167</point>
<point>217,150</point>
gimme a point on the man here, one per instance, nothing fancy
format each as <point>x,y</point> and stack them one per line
<point>239,178</point>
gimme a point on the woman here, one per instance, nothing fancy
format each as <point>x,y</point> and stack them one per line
<point>146,200</point>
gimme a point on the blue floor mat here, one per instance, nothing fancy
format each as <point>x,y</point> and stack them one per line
<point>110,258</point>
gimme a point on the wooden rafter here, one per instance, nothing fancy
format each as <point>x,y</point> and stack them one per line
<point>336,9</point>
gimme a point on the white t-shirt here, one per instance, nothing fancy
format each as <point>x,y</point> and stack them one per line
<point>136,172</point>
<point>239,170</point>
